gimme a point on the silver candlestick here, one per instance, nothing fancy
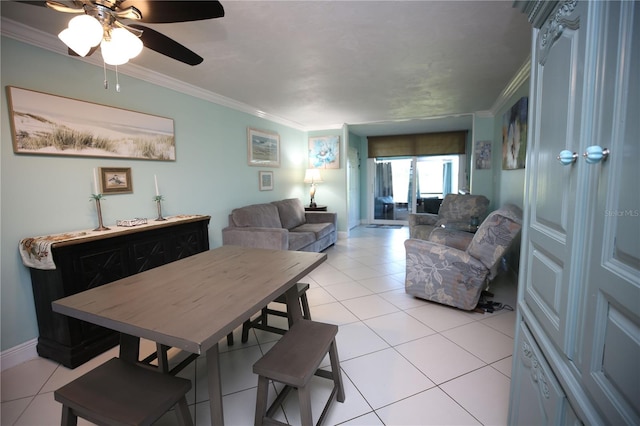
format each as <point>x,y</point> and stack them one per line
<point>97,198</point>
<point>158,199</point>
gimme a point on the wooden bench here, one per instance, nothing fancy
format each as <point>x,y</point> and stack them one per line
<point>293,361</point>
<point>121,393</point>
<point>261,322</point>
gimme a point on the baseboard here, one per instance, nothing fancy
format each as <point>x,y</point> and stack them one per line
<point>18,354</point>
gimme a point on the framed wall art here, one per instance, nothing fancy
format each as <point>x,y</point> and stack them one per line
<point>265,180</point>
<point>116,180</point>
<point>45,124</point>
<point>483,155</point>
<point>324,152</point>
<point>263,148</point>
<point>514,135</point>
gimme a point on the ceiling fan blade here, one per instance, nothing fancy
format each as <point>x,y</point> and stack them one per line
<point>167,46</point>
<point>163,12</point>
<point>34,3</point>
<point>60,7</point>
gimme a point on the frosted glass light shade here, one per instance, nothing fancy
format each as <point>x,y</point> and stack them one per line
<point>89,27</point>
<point>122,47</point>
<point>111,54</point>
<point>126,41</point>
<point>82,33</point>
<point>74,41</point>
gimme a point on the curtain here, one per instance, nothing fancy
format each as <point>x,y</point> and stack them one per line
<point>384,180</point>
<point>446,177</point>
<point>443,143</point>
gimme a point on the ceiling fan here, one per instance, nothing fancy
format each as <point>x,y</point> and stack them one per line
<point>109,13</point>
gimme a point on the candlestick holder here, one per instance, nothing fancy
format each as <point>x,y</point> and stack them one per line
<point>158,200</point>
<point>97,198</point>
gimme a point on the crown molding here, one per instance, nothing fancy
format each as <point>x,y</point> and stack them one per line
<point>38,38</point>
<point>518,80</point>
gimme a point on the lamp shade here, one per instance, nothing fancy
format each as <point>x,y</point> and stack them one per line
<point>312,176</point>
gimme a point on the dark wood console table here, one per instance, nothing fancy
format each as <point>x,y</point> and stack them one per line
<point>91,259</point>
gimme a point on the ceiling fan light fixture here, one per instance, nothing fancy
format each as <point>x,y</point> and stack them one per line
<point>75,41</point>
<point>121,47</point>
<point>127,41</point>
<point>112,54</point>
<point>89,27</point>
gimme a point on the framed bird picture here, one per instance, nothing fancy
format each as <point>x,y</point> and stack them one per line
<point>116,180</point>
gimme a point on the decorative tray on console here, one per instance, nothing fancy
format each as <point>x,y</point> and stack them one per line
<point>131,222</point>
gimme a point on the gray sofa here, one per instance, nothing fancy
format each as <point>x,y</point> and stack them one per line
<point>281,225</point>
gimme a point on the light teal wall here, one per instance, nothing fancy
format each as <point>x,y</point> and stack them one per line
<point>49,194</point>
<point>509,184</point>
<point>482,180</point>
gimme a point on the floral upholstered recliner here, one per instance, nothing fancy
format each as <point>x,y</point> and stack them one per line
<point>454,208</point>
<point>456,276</point>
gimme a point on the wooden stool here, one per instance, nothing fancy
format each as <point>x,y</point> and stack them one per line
<point>293,360</point>
<point>118,392</point>
<point>261,321</point>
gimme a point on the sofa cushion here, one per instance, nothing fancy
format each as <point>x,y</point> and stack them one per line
<point>320,230</point>
<point>291,212</point>
<point>299,240</point>
<point>257,215</point>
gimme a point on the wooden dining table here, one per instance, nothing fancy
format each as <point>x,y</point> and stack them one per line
<point>193,303</point>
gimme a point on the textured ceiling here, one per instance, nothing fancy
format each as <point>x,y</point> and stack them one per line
<point>318,64</point>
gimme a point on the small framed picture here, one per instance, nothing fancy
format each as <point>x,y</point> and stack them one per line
<point>266,180</point>
<point>263,148</point>
<point>116,180</point>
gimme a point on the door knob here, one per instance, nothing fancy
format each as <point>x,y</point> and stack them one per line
<point>567,157</point>
<point>595,154</point>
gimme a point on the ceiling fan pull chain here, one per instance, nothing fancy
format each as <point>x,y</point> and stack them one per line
<point>117,81</point>
<point>106,82</point>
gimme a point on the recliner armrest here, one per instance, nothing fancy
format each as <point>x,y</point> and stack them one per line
<point>422,219</point>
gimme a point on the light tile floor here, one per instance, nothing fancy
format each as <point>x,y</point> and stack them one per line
<point>405,361</point>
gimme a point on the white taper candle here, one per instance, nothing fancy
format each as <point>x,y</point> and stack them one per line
<point>95,181</point>
<point>155,178</point>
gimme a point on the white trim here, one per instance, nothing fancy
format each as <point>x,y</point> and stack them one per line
<point>521,76</point>
<point>18,354</point>
<point>23,33</point>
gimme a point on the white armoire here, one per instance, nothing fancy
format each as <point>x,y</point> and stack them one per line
<point>577,349</point>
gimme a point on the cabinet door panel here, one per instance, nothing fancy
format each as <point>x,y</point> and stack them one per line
<point>150,253</point>
<point>99,266</point>
<point>539,399</point>
<point>612,305</point>
<point>556,94</point>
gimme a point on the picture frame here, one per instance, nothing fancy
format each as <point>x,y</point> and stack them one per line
<point>45,124</point>
<point>265,179</point>
<point>263,148</point>
<point>483,155</point>
<point>514,135</point>
<point>324,152</point>
<point>116,180</point>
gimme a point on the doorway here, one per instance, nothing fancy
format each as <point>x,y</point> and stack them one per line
<point>394,180</point>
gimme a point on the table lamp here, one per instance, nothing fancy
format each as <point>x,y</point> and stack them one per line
<point>312,176</point>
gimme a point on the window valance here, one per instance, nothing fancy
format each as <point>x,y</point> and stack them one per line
<point>442,143</point>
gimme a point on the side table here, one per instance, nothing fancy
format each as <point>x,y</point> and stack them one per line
<point>315,209</point>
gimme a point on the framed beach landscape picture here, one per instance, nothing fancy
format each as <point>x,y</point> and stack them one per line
<point>44,124</point>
